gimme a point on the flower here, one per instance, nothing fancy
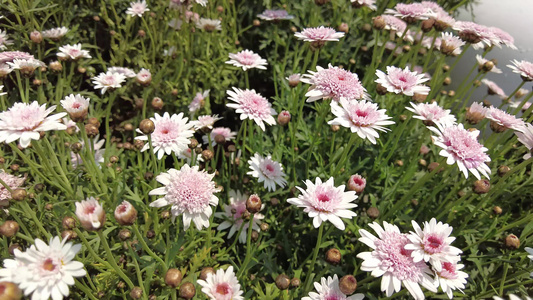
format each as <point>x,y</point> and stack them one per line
<point>504,119</point>
<point>25,122</point>
<point>394,24</point>
<point>13,182</point>
<point>127,72</point>
<point>69,123</point>
<point>198,101</point>
<point>45,270</point>
<point>77,106</point>
<point>325,202</point>
<point>26,66</point>
<point>76,160</point>
<point>209,24</point>
<point>175,24</point>
<point>476,112</point>
<point>125,213</point>
<point>251,105</point>
<point>481,61</point>
<point>461,146</point>
<point>319,35</point>
<point>524,68</point>
<point>368,3</point>
<point>4,40</point>
<point>55,33</point>
<point>502,37</point>
<point>525,136</point>
<point>189,192</point>
<point>222,285</point>
<point>137,8</point>
<point>432,244</point>
<point>10,56</point>
<point>404,81</point>
<point>109,80</point>
<point>431,113</point>
<point>171,134</point>
<point>357,183</point>
<point>393,262</point>
<point>450,44</point>
<point>361,117</point>
<point>144,77</point>
<point>511,297</point>
<point>268,171</point>
<point>442,19</point>
<point>233,216</point>
<point>223,131</point>
<point>187,155</point>
<point>477,35</point>
<point>329,289</point>
<point>410,12</point>
<point>450,278</point>
<point>275,15</point>
<point>493,88</point>
<point>247,59</point>
<point>206,121</point>
<point>73,52</point>
<point>1,89</point>
<point>90,213</point>
<point>334,83</point>
<point>530,256</point>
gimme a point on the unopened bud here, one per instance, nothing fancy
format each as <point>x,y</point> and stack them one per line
<point>284,117</point>
<point>497,210</point>
<point>136,293</point>
<point>380,89</point>
<point>335,128</point>
<point>434,165</point>
<point>9,291</point>
<point>333,256</point>
<point>348,284</point>
<point>68,223</point>
<point>9,228</point>
<point>187,290</point>
<point>125,213</point>
<point>427,25</point>
<point>257,23</point>
<point>447,81</point>
<point>502,170</point>
<point>68,235</point>
<point>91,130</point>
<point>157,103</point>
<point>253,204</point>
<point>512,241</point>
<point>193,144</point>
<point>295,282</point>
<point>344,27</point>
<point>419,97</point>
<point>481,186</point>
<point>373,212</point>
<point>220,139</point>
<point>356,183</point>
<point>124,234</point>
<point>264,226</point>
<point>173,277</point>
<point>206,271</point>
<point>56,66</point>
<point>36,37</point>
<point>379,23</point>
<point>19,194</point>
<point>283,282</point>
<point>207,154</point>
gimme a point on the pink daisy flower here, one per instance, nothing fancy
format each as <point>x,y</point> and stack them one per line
<point>325,202</point>
<point>443,20</point>
<point>233,216</point>
<point>223,131</point>
<point>394,24</point>
<point>55,33</point>
<point>318,36</point>
<point>504,119</point>
<point>127,72</point>
<point>476,112</point>
<point>432,244</point>
<point>361,117</point>
<point>73,52</point>
<point>334,83</point>
<point>10,56</point>
<point>171,134</point>
<point>525,136</point>
<point>144,77</point>
<point>247,59</point>
<point>428,42</point>
<point>137,8</point>
<point>90,213</point>
<point>411,12</point>
<point>390,260</point>
<point>477,35</point>
<point>209,25</point>
<point>268,171</point>
<point>450,44</point>
<point>198,101</point>
<point>26,66</point>
<point>25,122</point>
<point>524,68</point>
<point>431,113</point>
<point>433,6</point>
<point>109,80</point>
<point>461,146</point>
<point>328,289</point>
<point>404,81</point>
<point>481,61</point>
<point>493,88</point>
<point>13,182</point>
<point>251,105</point>
<point>206,121</point>
<point>356,183</point>
<point>502,38</point>
<point>450,278</point>
<point>189,192</point>
<point>222,285</point>
<point>77,106</point>
<point>275,15</point>
<point>368,3</point>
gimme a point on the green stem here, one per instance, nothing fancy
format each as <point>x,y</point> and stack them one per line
<point>147,249</point>
<point>112,260</point>
<point>313,260</point>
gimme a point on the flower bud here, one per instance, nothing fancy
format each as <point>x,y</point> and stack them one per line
<point>9,228</point>
<point>36,37</point>
<point>136,293</point>
<point>434,165</point>
<point>283,282</point>
<point>274,201</point>
<point>125,213</point>
<point>92,131</point>
<point>497,210</point>
<point>481,186</point>
<point>90,213</point>
<point>157,103</point>
<point>497,128</point>
<point>419,97</point>
<point>68,223</point>
<point>295,282</point>
<point>427,25</point>
<point>19,194</point>
<point>253,204</point>
<point>124,234</point>
<point>379,23</point>
<point>512,241</point>
<point>356,183</point>
<point>206,271</point>
<point>447,81</point>
<point>294,80</point>
<point>264,226</point>
<point>257,23</point>
<point>373,212</point>
<point>284,117</point>
<point>14,167</point>
<point>344,27</point>
<point>144,77</point>
<point>380,89</point>
<point>94,121</point>
<point>56,66</point>
<point>207,154</point>
<point>254,236</point>
<point>502,170</point>
<point>348,284</point>
<point>173,277</point>
<point>333,256</point>
<point>220,139</point>
<point>187,290</point>
<point>68,235</point>
<point>9,291</point>
<point>147,126</point>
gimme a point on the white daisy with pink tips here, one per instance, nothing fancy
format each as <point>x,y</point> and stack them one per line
<point>268,171</point>
<point>222,285</point>
<point>247,59</point>
<point>431,113</point>
<point>251,105</point>
<point>334,83</point>
<point>404,81</point>
<point>451,278</point>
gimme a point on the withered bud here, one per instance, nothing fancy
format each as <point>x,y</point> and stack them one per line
<point>348,284</point>
<point>9,228</point>
<point>512,241</point>
<point>148,176</point>
<point>373,212</point>
<point>206,271</point>
<point>147,126</point>
<point>9,291</point>
<point>187,290</point>
<point>91,130</point>
<point>253,204</point>
<point>124,234</point>
<point>333,256</point>
<point>157,103</point>
<point>125,213</point>
<point>481,186</point>
<point>207,154</point>
<point>220,139</point>
<point>379,23</point>
<point>502,170</point>
<point>69,235</point>
<point>283,282</point>
<point>136,293</point>
<point>497,210</point>
<point>173,277</point>
<point>68,223</point>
